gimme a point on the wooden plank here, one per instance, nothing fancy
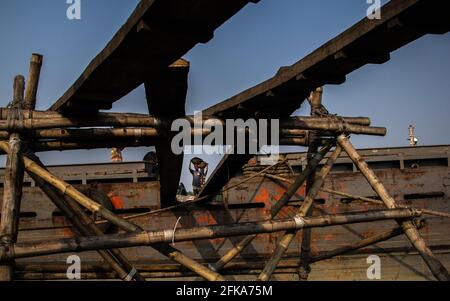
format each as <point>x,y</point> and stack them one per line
<point>166,98</point>
<point>369,41</point>
<point>156,34</point>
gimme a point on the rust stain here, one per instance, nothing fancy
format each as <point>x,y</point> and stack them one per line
<point>116,201</point>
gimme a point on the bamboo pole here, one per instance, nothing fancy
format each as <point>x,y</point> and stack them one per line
<point>49,120</point>
<point>81,244</point>
<point>377,202</point>
<point>436,267</point>
<point>317,109</point>
<point>276,208</point>
<point>68,190</point>
<point>33,82</point>
<point>12,192</point>
<point>287,238</point>
<point>33,114</point>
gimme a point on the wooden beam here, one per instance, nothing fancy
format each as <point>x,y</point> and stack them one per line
<point>172,28</point>
<point>166,98</point>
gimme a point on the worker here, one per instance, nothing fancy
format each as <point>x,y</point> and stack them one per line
<point>116,155</point>
<point>151,164</point>
<point>199,173</point>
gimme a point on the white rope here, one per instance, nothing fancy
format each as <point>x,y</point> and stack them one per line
<point>299,221</point>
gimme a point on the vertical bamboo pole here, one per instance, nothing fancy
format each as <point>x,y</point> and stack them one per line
<point>237,249</point>
<point>436,267</point>
<point>304,269</point>
<point>12,192</point>
<point>287,238</point>
<point>33,82</point>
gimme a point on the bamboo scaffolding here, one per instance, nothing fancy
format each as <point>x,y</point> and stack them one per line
<point>39,115</point>
<point>284,242</point>
<point>436,267</point>
<point>70,191</point>
<point>31,122</point>
<point>71,210</point>
<point>86,227</point>
<point>12,191</point>
<point>276,208</point>
<point>33,82</point>
<point>48,247</point>
<point>317,109</point>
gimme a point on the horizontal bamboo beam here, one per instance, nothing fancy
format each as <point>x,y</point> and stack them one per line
<point>47,247</point>
<point>31,114</point>
<point>35,120</point>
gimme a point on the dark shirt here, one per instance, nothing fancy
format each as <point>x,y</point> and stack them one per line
<point>196,178</point>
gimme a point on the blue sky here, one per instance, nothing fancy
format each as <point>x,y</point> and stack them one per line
<point>413,88</point>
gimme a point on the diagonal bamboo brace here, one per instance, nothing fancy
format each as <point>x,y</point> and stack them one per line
<point>68,190</point>
<point>287,238</point>
<point>436,267</point>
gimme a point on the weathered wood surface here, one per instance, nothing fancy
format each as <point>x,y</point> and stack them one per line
<point>156,34</point>
<point>367,42</point>
<point>166,98</point>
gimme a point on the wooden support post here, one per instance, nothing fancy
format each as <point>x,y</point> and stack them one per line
<point>285,198</point>
<point>144,238</point>
<point>166,98</point>
<point>70,191</point>
<point>287,238</point>
<point>436,267</point>
<point>12,192</point>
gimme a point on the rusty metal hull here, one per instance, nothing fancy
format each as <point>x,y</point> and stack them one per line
<point>417,177</point>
